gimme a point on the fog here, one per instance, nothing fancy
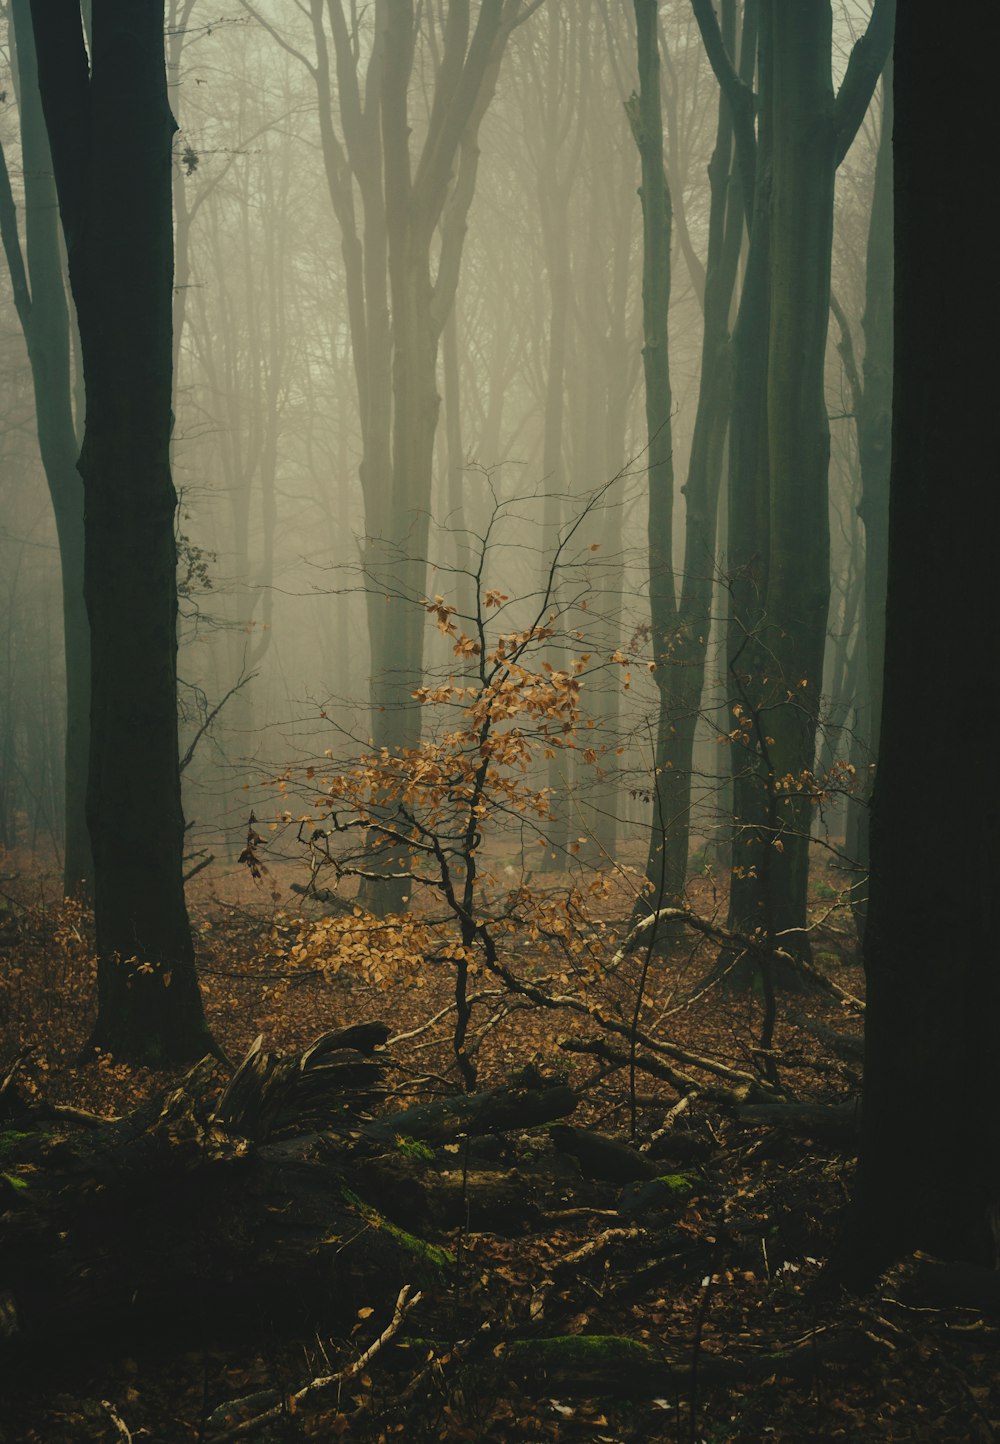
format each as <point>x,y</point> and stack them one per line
<point>348,446</point>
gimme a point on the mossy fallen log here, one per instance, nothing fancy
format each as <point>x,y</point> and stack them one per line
<point>220,1208</point>
<point>196,1207</point>
<point>594,1365</point>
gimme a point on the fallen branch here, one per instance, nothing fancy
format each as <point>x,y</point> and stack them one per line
<point>747,1089</point>
<point>118,1423</point>
<point>754,946</point>
<point>845,1045</point>
<point>922,1282</point>
<point>736,1076</point>
<point>595,1246</point>
<point>666,1128</point>
<point>287,1404</point>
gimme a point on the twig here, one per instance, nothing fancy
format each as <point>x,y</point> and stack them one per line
<point>442,1013</point>
<point>596,1245</point>
<point>82,1115</point>
<point>669,1120</point>
<point>211,715</point>
<point>121,1428</point>
<point>404,1303</point>
<point>199,867</point>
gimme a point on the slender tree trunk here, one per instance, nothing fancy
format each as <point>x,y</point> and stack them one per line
<point>553,474</point>
<point>874,424</point>
<point>110,132</point>
<point>455,479</point>
<point>46,321</point>
<point>681,669</point>
<point>645,117</point>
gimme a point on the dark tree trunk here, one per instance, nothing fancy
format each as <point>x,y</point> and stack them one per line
<point>665,868</point>
<point>45,318</point>
<point>681,663</point>
<point>110,131</point>
<point>778,505</point>
<point>875,409</point>
<point>798,581</point>
<point>932,1067</point>
<point>748,530</point>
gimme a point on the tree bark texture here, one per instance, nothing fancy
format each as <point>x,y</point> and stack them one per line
<point>110,131</point>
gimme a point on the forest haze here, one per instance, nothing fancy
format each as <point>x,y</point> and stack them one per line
<point>491,551</point>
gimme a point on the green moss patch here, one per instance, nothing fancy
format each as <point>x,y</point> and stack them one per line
<point>583,1351</point>
<point>433,1258</point>
<point>413,1148</point>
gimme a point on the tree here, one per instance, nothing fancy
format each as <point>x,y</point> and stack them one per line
<point>871,396</point>
<point>779,455</point>
<point>110,131</point>
<point>929,1175</point>
<point>681,608</point>
<point>402,266</point>
<point>40,299</point>
<point>646,119</point>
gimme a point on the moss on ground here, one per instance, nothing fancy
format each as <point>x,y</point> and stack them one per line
<point>682,1185</point>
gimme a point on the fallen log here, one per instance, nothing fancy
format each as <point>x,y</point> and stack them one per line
<point>277,1198</point>
<point>601,1157</point>
<point>524,1103</point>
<point>439,1195</point>
<point>837,1123</point>
<point>587,1366</point>
<point>158,1222</point>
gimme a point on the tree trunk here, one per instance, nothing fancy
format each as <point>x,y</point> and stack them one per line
<point>431,198</point>
<point>874,427</point>
<point>798,583</point>
<point>779,454</point>
<point>47,331</point>
<point>748,535</point>
<point>681,669</point>
<point>931,1061</point>
<point>666,867</point>
<point>110,134</point>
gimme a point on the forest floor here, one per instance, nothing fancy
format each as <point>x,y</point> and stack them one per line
<point>728,1284</point>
